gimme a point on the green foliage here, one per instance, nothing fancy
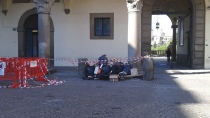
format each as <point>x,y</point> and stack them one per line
<point>163,47</point>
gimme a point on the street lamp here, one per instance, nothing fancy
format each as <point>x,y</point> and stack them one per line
<point>157,24</point>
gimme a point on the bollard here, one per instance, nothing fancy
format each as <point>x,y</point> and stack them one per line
<point>81,67</point>
<point>148,68</point>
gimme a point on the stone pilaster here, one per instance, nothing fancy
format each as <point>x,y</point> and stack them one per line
<point>174,43</point>
<point>134,27</point>
<point>43,10</point>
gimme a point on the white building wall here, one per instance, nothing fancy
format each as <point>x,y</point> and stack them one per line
<point>72,31</point>
<point>8,29</point>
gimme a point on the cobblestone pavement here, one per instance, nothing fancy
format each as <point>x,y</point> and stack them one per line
<point>170,95</point>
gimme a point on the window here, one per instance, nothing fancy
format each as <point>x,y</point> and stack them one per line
<point>101,25</point>
<point>181,33</point>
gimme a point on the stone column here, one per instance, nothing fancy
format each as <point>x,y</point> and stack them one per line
<point>43,10</point>
<point>21,42</point>
<point>134,28</point>
<point>174,43</point>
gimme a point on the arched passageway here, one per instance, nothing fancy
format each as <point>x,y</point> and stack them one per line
<point>188,16</point>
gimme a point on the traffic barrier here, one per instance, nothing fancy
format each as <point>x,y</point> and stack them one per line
<point>21,69</point>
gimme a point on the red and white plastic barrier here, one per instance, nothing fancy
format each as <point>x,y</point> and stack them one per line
<point>21,69</point>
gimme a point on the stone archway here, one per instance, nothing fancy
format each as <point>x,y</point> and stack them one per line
<point>22,30</point>
<point>198,29</point>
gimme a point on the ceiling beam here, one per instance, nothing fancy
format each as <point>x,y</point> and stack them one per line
<point>163,12</point>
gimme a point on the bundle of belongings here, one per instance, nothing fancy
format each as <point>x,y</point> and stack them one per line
<point>104,68</point>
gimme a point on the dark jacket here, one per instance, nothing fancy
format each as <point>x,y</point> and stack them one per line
<point>168,53</point>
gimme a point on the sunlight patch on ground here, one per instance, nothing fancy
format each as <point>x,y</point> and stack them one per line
<point>198,88</point>
<point>195,110</point>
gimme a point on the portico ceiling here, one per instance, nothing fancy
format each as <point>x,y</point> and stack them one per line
<point>6,3</point>
<point>171,6</point>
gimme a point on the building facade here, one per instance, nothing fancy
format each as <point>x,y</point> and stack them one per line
<point>65,30</point>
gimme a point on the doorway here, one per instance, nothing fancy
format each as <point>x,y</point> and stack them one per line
<point>31,36</point>
<point>31,43</point>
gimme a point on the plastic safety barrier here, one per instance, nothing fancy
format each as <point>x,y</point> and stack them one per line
<point>21,69</point>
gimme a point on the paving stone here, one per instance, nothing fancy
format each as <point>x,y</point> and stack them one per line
<point>174,95</point>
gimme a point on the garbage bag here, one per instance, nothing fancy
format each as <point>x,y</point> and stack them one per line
<point>117,67</point>
<point>89,72</point>
<point>106,69</point>
<point>126,70</point>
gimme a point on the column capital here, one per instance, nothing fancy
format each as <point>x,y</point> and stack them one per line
<point>44,6</point>
<point>134,5</point>
<point>174,26</point>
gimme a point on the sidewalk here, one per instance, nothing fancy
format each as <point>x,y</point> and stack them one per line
<point>161,66</point>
